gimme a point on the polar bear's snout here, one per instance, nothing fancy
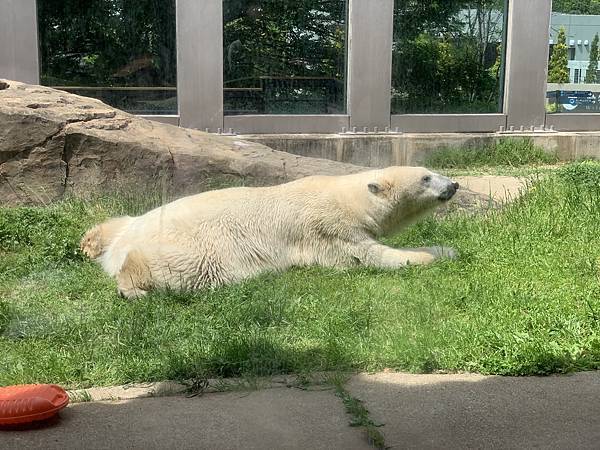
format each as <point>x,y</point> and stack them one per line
<point>449,191</point>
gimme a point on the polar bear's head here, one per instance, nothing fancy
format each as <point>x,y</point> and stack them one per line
<point>403,195</point>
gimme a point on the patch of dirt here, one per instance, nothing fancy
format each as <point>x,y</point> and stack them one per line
<point>480,193</point>
<point>499,188</point>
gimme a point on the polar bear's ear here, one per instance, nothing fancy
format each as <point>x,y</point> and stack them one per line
<point>375,188</point>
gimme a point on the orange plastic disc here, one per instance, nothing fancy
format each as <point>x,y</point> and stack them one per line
<point>30,402</point>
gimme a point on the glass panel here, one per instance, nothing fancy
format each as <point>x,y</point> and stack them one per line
<point>573,81</point>
<point>447,56</point>
<point>120,51</point>
<point>284,56</point>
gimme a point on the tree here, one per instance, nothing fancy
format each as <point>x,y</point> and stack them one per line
<point>107,42</point>
<point>444,52</point>
<point>576,6</point>
<point>591,75</point>
<point>284,56</point>
<point>558,71</point>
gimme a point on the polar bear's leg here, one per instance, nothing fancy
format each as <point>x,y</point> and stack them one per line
<point>134,279</point>
<point>168,266</point>
<point>378,255</point>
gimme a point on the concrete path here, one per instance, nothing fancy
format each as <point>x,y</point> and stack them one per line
<point>477,412</point>
<point>500,188</point>
<point>417,412</point>
<point>271,419</point>
<point>479,193</point>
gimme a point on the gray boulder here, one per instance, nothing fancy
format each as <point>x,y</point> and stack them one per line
<point>53,143</point>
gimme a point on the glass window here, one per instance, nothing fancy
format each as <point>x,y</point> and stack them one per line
<point>574,30</point>
<point>447,56</point>
<point>120,51</point>
<point>284,56</point>
<point>572,54</point>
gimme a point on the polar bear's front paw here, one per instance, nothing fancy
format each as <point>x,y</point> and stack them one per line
<point>443,252</point>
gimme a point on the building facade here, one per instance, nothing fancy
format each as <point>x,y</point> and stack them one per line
<point>580,31</point>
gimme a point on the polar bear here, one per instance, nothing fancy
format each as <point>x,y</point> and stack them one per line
<point>228,235</point>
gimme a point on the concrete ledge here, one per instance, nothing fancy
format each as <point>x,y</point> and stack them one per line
<point>382,150</point>
<point>170,388</point>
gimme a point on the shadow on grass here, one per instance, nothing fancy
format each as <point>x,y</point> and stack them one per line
<point>255,356</point>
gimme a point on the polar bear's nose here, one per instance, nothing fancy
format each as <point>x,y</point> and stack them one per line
<point>449,192</point>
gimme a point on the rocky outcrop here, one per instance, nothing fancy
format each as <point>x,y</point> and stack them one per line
<point>53,143</point>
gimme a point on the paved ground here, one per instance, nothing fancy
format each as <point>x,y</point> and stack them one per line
<point>472,411</point>
<point>418,411</point>
<point>500,188</point>
<point>479,193</point>
<point>280,418</point>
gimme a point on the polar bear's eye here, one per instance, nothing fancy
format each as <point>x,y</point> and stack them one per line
<point>426,179</point>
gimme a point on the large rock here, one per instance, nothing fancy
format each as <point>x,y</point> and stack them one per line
<point>53,143</point>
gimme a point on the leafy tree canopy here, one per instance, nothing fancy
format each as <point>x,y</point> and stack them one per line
<point>576,6</point>
<point>445,53</point>
<point>107,42</point>
<point>558,71</point>
<point>591,74</point>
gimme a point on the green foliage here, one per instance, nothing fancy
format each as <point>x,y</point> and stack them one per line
<point>280,56</point>
<point>558,70</point>
<point>283,37</point>
<point>505,152</point>
<point>576,6</point>
<point>522,299</point>
<point>583,174</point>
<point>591,75</point>
<point>52,233</point>
<point>360,417</point>
<point>4,315</point>
<point>291,51</point>
<point>107,42</point>
<point>552,107</point>
<point>446,56</point>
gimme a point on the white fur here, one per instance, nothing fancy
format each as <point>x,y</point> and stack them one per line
<point>113,258</point>
<point>228,235</point>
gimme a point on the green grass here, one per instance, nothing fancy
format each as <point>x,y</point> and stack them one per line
<point>502,155</point>
<point>523,298</point>
<point>360,416</point>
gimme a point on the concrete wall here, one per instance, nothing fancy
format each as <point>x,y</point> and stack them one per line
<point>412,149</point>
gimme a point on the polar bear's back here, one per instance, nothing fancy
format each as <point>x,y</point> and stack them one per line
<point>249,203</point>
<point>243,221</point>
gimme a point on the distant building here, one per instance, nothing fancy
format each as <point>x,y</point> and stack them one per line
<point>580,31</point>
